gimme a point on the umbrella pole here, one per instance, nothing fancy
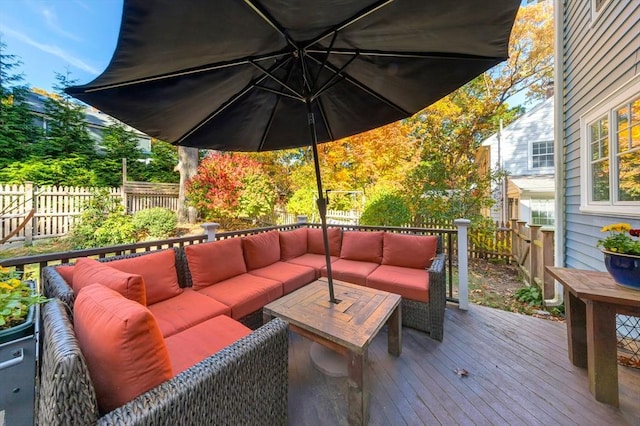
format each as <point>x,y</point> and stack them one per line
<point>322,202</point>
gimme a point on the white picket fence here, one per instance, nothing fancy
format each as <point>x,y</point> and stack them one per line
<point>29,212</point>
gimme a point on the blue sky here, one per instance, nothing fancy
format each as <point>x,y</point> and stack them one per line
<point>53,36</point>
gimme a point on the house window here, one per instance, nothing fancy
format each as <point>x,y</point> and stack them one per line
<point>611,161</point>
<point>541,154</point>
<point>542,212</point>
<point>596,7</point>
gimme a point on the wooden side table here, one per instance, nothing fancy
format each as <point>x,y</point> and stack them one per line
<point>592,300</point>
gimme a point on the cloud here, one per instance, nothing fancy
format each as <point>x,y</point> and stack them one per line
<point>51,19</point>
<point>52,50</point>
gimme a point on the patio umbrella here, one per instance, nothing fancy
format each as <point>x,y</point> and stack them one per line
<point>258,75</point>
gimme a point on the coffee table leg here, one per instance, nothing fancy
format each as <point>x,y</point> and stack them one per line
<point>394,332</point>
<point>575,312</point>
<point>602,352</point>
<point>358,395</point>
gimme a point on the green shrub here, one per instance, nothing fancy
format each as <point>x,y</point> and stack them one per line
<point>531,295</point>
<point>156,223</point>
<point>386,210</point>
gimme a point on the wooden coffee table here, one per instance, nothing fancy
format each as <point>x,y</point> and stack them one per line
<point>347,327</point>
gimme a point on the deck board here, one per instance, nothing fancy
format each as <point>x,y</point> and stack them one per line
<point>519,374</point>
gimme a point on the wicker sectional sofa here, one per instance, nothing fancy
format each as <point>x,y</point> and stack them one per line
<point>237,373</point>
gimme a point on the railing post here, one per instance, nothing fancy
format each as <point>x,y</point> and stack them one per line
<point>533,254</point>
<point>29,195</point>
<point>302,218</point>
<point>210,229</point>
<point>463,265</point>
<point>548,245</point>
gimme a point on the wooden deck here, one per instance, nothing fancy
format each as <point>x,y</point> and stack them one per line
<point>519,374</point>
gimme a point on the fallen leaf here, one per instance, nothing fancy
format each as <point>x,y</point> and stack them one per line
<point>461,372</point>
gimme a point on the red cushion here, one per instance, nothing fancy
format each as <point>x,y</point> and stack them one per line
<point>411,251</point>
<point>89,271</point>
<point>409,283</point>
<point>158,271</point>
<point>315,261</point>
<point>290,275</point>
<point>66,271</point>
<point>213,262</point>
<point>203,340</point>
<point>244,293</point>
<point>261,250</point>
<point>351,271</point>
<point>293,243</point>
<point>185,310</point>
<point>315,241</point>
<point>363,246</point>
<point>122,345</point>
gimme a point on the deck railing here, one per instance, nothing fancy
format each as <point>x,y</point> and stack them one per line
<point>35,263</point>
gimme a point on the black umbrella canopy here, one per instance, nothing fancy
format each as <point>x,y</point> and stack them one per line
<point>239,75</point>
<point>258,75</point>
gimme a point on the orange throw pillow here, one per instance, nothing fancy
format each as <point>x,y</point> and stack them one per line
<point>210,263</point>
<point>293,243</point>
<point>362,246</point>
<point>122,345</point>
<point>409,251</point>
<point>261,250</point>
<point>89,271</point>
<point>158,270</point>
<point>315,241</point>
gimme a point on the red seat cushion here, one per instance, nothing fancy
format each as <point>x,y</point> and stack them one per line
<point>351,271</point>
<point>122,345</point>
<point>185,310</point>
<point>261,250</point>
<point>315,261</point>
<point>409,283</point>
<point>363,246</point>
<point>315,241</point>
<point>290,275</point>
<point>191,346</point>
<point>244,293</point>
<point>158,271</point>
<point>293,243</point>
<point>213,262</point>
<point>410,251</point>
<point>89,271</point>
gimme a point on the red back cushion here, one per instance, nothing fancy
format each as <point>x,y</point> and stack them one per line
<point>210,263</point>
<point>261,250</point>
<point>66,271</point>
<point>89,271</point>
<point>362,246</point>
<point>410,251</point>
<point>158,270</point>
<point>293,243</point>
<point>122,345</point>
<point>315,243</point>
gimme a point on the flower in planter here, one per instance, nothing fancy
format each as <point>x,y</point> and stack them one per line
<point>621,239</point>
<point>16,297</point>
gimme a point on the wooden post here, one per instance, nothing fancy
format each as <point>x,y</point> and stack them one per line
<point>123,191</point>
<point>548,247</point>
<point>29,195</point>
<point>533,253</point>
<point>463,268</point>
<point>515,252</point>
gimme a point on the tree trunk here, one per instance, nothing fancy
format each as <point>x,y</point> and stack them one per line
<point>187,167</point>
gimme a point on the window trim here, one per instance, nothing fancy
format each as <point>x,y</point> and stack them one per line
<point>595,13</point>
<point>546,169</point>
<point>607,107</point>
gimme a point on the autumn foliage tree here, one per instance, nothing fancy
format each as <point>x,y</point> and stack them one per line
<point>229,186</point>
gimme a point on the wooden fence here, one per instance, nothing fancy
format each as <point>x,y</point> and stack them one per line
<point>533,250</point>
<point>29,212</point>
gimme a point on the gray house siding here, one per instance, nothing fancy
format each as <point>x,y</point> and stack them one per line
<point>599,56</point>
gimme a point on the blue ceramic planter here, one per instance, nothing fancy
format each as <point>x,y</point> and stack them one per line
<point>624,268</point>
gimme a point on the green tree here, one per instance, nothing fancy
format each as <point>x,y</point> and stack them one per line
<point>118,142</point>
<point>67,133</point>
<point>162,163</point>
<point>72,171</point>
<point>17,129</point>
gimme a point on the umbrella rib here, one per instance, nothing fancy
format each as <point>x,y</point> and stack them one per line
<point>333,78</point>
<point>182,73</point>
<point>230,102</point>
<point>355,18</point>
<point>258,9</point>
<point>324,119</point>
<point>409,55</point>
<point>272,116</point>
<point>325,59</point>
<point>277,80</point>
<point>361,86</point>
